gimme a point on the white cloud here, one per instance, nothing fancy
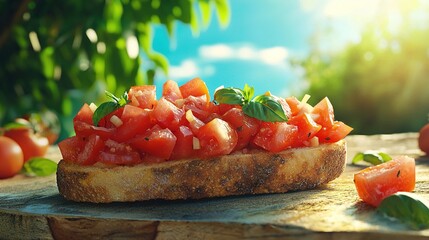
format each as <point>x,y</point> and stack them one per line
<point>189,69</point>
<point>272,56</point>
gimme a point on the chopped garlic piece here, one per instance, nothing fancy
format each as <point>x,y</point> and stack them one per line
<point>93,107</point>
<point>195,143</point>
<point>116,121</point>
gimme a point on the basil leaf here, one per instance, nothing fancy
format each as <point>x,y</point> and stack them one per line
<point>248,93</point>
<point>39,167</point>
<point>229,96</point>
<point>407,208</point>
<point>103,110</point>
<point>265,108</point>
<point>372,157</point>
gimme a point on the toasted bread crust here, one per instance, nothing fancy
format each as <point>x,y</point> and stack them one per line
<point>237,174</point>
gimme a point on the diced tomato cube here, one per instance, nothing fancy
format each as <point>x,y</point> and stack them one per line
<point>245,126</point>
<point>168,115</point>
<point>217,138</point>
<point>276,136</point>
<point>338,131</point>
<point>307,128</point>
<point>195,87</point>
<point>143,96</point>
<point>133,126</point>
<point>157,142</point>
<point>323,113</point>
<point>89,155</point>
<point>83,129</point>
<point>184,147</point>
<point>171,91</point>
<point>70,148</point>
<point>199,106</point>
<point>84,115</point>
<point>375,183</point>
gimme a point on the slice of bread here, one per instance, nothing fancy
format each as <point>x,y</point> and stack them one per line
<point>255,172</point>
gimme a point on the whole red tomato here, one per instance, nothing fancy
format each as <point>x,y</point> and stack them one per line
<point>11,157</point>
<point>32,145</point>
<point>424,139</point>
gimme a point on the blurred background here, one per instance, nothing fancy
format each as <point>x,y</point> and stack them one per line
<point>370,57</point>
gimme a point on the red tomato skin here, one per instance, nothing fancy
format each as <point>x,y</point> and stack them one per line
<point>195,87</point>
<point>423,139</point>
<point>245,126</point>
<point>171,91</point>
<point>375,183</point>
<point>70,148</point>
<point>32,145</point>
<point>143,96</point>
<point>293,103</point>
<point>132,126</point>
<point>337,132</point>
<point>11,158</point>
<point>93,146</point>
<point>168,115</point>
<point>324,112</point>
<point>83,129</point>
<point>276,136</point>
<point>84,115</point>
<point>158,142</point>
<point>183,149</point>
<point>216,138</point>
<point>307,128</point>
<point>199,106</point>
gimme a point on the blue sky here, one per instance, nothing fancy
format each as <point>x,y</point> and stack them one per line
<point>259,41</point>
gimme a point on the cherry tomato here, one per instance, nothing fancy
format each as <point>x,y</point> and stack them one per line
<point>32,145</point>
<point>11,157</point>
<point>424,139</point>
<point>375,183</point>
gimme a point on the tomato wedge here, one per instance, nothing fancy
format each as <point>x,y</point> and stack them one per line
<point>276,136</point>
<point>373,184</point>
<point>338,131</point>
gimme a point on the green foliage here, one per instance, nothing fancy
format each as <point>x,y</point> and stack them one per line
<point>378,85</point>
<point>59,54</point>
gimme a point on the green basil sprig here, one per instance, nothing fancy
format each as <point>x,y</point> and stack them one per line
<point>407,208</point>
<point>39,166</point>
<point>263,107</point>
<point>372,157</point>
<point>107,107</point>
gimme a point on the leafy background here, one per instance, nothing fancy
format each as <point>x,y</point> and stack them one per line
<point>58,54</point>
<point>378,84</point>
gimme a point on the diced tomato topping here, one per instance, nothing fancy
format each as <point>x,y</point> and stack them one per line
<point>323,113</point>
<point>217,138</point>
<point>89,155</point>
<point>171,91</point>
<point>84,129</point>
<point>158,142</point>
<point>307,128</point>
<point>337,132</point>
<point>245,126</point>
<point>276,136</point>
<point>138,124</point>
<point>195,87</point>
<point>185,124</point>
<point>294,105</point>
<point>84,115</point>
<point>373,184</point>
<point>70,148</point>
<point>184,144</point>
<point>143,96</point>
<point>119,154</point>
<point>168,115</point>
